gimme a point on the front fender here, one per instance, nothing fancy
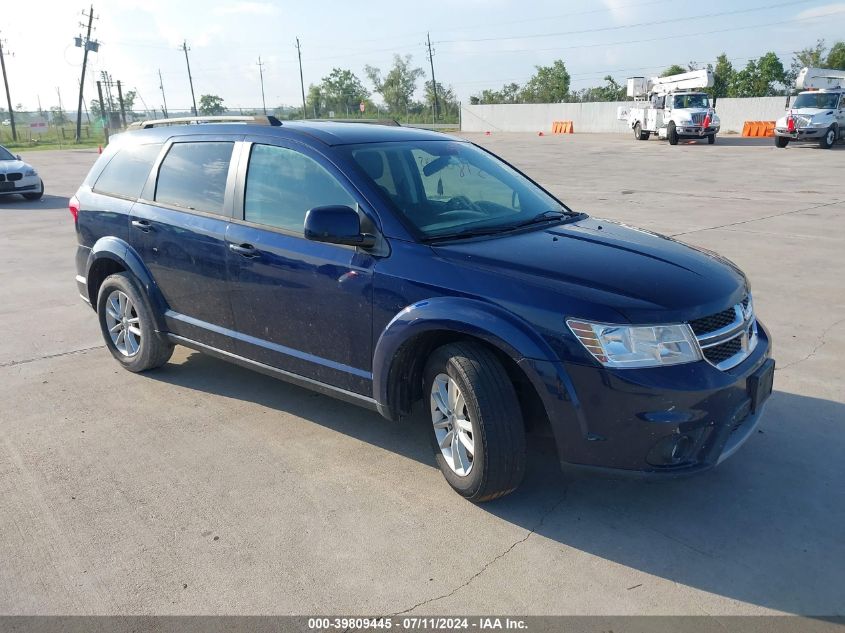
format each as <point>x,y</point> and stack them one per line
<point>485,321</point>
<point>120,252</point>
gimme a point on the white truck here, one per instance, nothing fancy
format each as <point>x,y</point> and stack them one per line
<point>672,107</point>
<point>818,112</point>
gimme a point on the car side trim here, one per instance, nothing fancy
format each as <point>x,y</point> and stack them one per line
<point>281,349</point>
<point>296,379</point>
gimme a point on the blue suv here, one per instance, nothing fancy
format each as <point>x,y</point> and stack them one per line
<point>389,266</point>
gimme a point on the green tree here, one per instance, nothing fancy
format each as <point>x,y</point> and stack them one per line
<point>723,75</point>
<point>57,116</point>
<point>836,56</point>
<point>610,91</point>
<point>398,85</point>
<point>445,98</point>
<point>129,100</point>
<point>550,84</point>
<point>758,78</point>
<point>211,105</point>
<point>811,56</point>
<point>94,108</point>
<point>510,93</point>
<point>342,91</point>
<point>674,69</point>
<point>314,102</point>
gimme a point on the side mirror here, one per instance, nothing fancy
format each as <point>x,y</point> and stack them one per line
<point>18,156</point>
<point>336,225</point>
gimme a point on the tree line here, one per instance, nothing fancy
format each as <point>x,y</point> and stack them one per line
<point>760,77</point>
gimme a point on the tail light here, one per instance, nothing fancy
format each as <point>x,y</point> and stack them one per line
<point>73,206</point>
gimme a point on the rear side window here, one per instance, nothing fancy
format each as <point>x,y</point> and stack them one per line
<point>128,170</point>
<point>193,175</point>
<point>282,184</point>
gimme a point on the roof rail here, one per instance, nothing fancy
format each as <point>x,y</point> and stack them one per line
<point>254,120</point>
<point>388,122</point>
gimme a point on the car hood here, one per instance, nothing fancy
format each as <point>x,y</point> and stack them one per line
<point>642,275</point>
<point>9,166</point>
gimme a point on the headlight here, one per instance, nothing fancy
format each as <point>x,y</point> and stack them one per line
<point>819,123</point>
<point>625,346</point>
<point>30,172</point>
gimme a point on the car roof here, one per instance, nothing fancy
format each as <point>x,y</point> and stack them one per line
<point>327,132</point>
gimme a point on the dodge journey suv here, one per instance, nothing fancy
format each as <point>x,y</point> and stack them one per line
<point>389,266</point>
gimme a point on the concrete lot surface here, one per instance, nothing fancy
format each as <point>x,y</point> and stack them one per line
<point>205,488</point>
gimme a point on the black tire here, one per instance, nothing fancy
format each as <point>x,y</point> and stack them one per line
<point>781,141</point>
<point>153,350</point>
<point>35,195</point>
<point>492,408</point>
<point>639,134</point>
<point>672,133</point>
<point>829,138</point>
<point>711,139</point>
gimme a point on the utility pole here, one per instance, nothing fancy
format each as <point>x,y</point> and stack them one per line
<point>433,82</point>
<point>120,101</point>
<point>86,45</point>
<point>106,122</point>
<point>190,79</point>
<point>163,98</point>
<point>261,74</point>
<point>301,80</point>
<point>8,95</point>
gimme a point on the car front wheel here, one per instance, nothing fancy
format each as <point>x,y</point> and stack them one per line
<point>127,324</point>
<point>477,430</point>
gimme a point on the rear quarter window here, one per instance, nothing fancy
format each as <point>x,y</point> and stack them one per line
<point>193,175</point>
<point>127,171</point>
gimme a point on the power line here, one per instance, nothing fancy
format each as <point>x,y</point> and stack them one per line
<point>628,26</point>
<point>190,78</point>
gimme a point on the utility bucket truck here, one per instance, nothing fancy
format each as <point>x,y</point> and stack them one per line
<point>672,107</point>
<point>818,112</point>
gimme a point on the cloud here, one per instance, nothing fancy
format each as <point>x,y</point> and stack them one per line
<point>620,10</point>
<point>824,10</point>
<point>249,8</point>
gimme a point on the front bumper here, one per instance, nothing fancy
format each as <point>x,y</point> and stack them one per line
<point>26,184</point>
<point>661,421</point>
<point>802,134</point>
<point>696,130</point>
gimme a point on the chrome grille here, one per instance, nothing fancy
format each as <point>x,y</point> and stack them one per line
<point>14,176</point>
<point>726,338</point>
<point>698,118</point>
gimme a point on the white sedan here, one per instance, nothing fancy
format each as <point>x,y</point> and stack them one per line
<point>17,176</point>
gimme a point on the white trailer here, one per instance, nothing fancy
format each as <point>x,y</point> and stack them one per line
<point>818,112</point>
<point>672,107</point>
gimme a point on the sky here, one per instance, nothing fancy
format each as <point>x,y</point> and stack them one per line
<point>478,43</point>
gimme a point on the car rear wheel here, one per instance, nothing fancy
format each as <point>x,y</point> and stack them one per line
<point>35,195</point>
<point>639,134</point>
<point>127,325</point>
<point>829,138</point>
<point>477,434</point>
<point>781,141</point>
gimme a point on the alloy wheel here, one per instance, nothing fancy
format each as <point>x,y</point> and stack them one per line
<point>452,425</point>
<point>123,323</point>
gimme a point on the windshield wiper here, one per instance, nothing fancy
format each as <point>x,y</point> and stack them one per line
<point>545,216</point>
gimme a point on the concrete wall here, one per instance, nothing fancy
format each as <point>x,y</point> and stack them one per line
<point>600,117</point>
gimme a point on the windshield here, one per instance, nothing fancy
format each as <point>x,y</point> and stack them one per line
<point>691,101</point>
<point>443,188</point>
<point>818,100</point>
<point>6,154</point>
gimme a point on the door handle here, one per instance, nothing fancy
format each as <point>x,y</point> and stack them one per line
<point>144,225</point>
<point>245,250</point>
